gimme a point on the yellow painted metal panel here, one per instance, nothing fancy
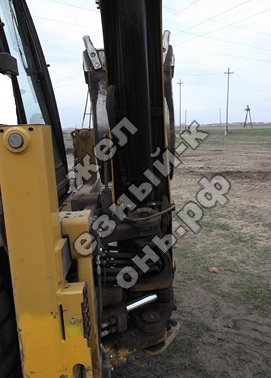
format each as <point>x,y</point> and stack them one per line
<point>74,225</point>
<point>84,142</point>
<point>28,190</point>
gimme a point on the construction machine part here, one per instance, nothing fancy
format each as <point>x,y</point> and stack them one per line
<point>10,363</point>
<point>172,331</point>
<point>34,240</point>
<point>85,166</point>
<point>8,64</point>
<point>103,95</point>
<point>95,76</point>
<point>133,51</point>
<point>73,225</point>
<point>9,347</point>
<point>135,105</point>
<point>169,64</point>
<point>104,265</point>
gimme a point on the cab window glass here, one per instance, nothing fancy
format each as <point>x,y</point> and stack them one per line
<point>7,104</point>
<point>31,105</point>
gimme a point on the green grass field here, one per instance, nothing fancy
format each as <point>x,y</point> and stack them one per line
<point>243,137</point>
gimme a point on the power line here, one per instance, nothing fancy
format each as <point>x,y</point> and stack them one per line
<point>252,86</point>
<point>220,40</point>
<point>199,74</point>
<point>217,15</point>
<point>217,53</point>
<point>233,24</point>
<point>201,94</point>
<point>170,9</point>
<point>67,23</point>
<point>67,85</point>
<point>64,73</point>
<point>226,25</point>
<point>253,89</point>
<point>70,77</point>
<point>205,94</point>
<point>74,6</point>
<point>180,11</point>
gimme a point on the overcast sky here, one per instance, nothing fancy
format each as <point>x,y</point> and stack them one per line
<point>208,37</point>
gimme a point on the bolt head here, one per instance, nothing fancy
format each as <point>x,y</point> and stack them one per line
<point>84,135</point>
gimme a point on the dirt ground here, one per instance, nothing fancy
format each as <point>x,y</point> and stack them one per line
<point>225,323</point>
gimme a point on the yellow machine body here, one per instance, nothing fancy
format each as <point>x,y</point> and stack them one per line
<point>48,310</point>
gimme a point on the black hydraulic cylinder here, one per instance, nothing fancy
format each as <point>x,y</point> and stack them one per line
<point>126,50</point>
<point>133,51</point>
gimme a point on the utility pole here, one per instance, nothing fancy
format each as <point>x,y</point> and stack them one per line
<point>180,83</point>
<point>227,107</point>
<point>185,118</point>
<point>220,118</point>
<point>248,114</point>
